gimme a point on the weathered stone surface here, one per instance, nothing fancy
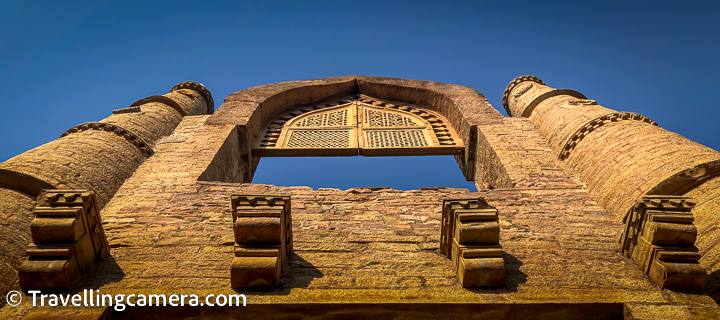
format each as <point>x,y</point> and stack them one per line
<point>660,239</point>
<point>263,239</point>
<point>469,237</point>
<point>15,214</point>
<point>68,239</point>
<point>377,252</point>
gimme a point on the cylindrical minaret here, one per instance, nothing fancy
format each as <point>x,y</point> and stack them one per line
<point>620,156</point>
<point>96,156</point>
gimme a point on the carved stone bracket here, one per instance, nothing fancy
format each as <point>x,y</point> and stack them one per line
<point>68,238</point>
<point>263,239</point>
<point>129,136</point>
<point>133,109</point>
<point>659,237</point>
<point>596,123</point>
<point>470,238</point>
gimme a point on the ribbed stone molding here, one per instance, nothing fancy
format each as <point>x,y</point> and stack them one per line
<point>514,83</point>
<point>524,93</point>
<point>129,136</point>
<point>199,88</point>
<point>596,123</point>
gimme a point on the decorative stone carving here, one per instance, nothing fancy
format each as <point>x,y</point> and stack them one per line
<point>582,102</point>
<point>68,238</point>
<point>126,110</point>
<point>263,239</point>
<point>470,239</point>
<point>199,88</point>
<point>138,142</point>
<point>357,125</point>
<point>660,239</point>
<point>522,91</point>
<point>596,123</point>
<point>513,84</point>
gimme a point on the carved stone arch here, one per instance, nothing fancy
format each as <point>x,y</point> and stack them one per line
<point>358,125</point>
<point>387,128</point>
<point>463,109</point>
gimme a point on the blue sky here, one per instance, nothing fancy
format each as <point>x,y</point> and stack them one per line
<point>67,62</point>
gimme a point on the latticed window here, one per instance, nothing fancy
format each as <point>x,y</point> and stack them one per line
<point>358,125</point>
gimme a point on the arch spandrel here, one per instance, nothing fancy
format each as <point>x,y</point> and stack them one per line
<point>358,125</point>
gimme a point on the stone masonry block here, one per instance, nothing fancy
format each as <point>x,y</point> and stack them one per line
<point>263,239</point>
<point>68,239</point>
<point>470,238</point>
<point>660,239</point>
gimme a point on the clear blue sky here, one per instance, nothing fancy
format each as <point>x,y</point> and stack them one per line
<point>66,62</point>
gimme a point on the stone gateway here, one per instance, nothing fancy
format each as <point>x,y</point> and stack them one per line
<point>582,212</point>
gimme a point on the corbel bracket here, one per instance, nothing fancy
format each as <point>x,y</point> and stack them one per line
<point>263,239</point>
<point>659,238</point>
<point>68,239</point>
<point>470,239</point>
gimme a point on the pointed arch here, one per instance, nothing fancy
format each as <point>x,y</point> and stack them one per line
<point>463,108</point>
<point>358,125</point>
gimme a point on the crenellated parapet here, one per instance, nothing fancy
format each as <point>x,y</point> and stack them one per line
<point>263,239</point>
<point>659,238</point>
<point>68,239</point>
<point>470,238</point>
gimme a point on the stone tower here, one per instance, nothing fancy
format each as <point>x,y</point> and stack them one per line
<point>583,212</point>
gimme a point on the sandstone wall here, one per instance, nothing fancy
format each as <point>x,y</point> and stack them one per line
<point>514,155</point>
<point>707,220</point>
<point>14,211</point>
<point>374,252</point>
<point>170,233</point>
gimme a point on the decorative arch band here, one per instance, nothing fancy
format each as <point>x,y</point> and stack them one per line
<point>596,123</point>
<point>138,142</point>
